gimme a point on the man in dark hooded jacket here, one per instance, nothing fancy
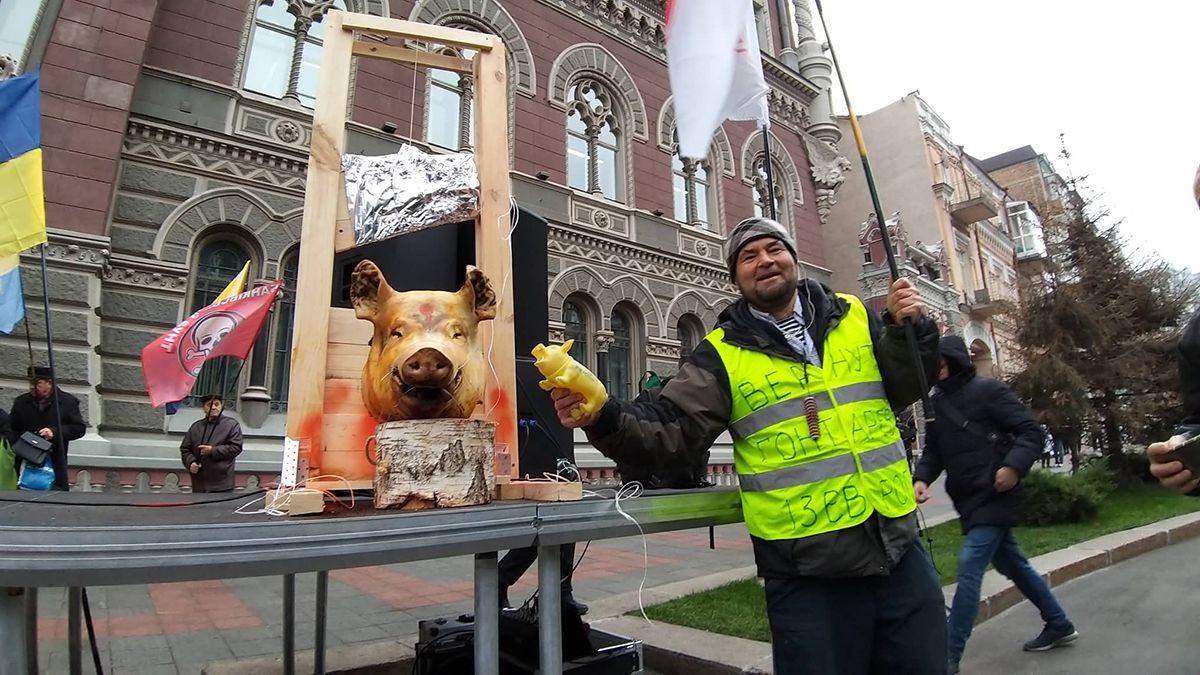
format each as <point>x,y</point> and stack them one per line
<point>986,440</point>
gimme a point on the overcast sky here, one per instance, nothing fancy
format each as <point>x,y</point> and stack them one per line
<point>1121,80</point>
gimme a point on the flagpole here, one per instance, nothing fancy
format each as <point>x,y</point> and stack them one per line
<point>50,360</point>
<point>909,330</point>
<point>770,173</point>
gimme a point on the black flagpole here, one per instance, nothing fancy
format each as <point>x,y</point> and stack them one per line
<point>909,330</point>
<point>50,363</point>
<point>770,174</point>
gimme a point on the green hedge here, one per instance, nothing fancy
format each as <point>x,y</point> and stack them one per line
<point>1055,499</point>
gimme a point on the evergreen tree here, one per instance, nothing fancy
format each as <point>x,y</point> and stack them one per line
<point>1098,331</point>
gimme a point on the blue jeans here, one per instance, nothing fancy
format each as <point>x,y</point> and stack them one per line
<point>987,543</point>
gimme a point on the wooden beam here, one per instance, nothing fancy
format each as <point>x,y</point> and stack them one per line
<point>343,238</point>
<point>413,56</point>
<point>493,252</point>
<point>424,32</point>
<point>306,392</point>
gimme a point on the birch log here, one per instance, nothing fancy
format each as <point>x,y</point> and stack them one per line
<point>433,463</point>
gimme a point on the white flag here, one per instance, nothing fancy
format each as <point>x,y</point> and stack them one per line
<point>715,67</point>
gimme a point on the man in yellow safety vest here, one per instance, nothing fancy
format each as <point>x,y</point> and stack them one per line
<point>805,381</point>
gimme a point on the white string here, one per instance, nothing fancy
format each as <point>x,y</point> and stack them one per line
<point>283,493</point>
<point>633,491</point>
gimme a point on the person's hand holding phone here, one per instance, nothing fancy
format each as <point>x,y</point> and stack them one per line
<point>1175,463</point>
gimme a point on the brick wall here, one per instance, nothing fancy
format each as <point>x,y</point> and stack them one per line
<point>200,38</point>
<point>1023,182</point>
<point>88,74</point>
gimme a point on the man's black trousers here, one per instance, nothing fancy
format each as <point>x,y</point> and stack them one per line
<point>892,624</point>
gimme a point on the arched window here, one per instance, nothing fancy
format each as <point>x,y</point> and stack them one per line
<point>762,199</point>
<point>691,183</point>
<point>575,320</point>
<point>218,263</point>
<point>593,135</point>
<point>285,49</point>
<point>690,332</point>
<point>451,115</point>
<point>285,315</point>
<point>620,356</point>
<point>18,23</point>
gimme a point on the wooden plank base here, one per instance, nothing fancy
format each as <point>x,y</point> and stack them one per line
<point>541,490</point>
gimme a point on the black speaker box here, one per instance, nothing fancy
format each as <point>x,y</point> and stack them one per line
<point>434,259</point>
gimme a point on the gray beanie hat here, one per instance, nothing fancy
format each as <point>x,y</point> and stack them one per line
<point>755,228</point>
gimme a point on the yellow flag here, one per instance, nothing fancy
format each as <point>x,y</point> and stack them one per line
<point>238,285</point>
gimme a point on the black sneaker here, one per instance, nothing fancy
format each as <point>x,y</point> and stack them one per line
<point>579,606</point>
<point>1052,637</point>
<point>504,598</point>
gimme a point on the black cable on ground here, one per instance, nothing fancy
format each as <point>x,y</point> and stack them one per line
<point>231,498</point>
<point>91,631</point>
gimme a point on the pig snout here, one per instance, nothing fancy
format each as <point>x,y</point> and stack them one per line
<point>427,368</point>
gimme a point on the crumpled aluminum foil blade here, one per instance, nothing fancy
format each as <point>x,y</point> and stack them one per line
<point>411,190</point>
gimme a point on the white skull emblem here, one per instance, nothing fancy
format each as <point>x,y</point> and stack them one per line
<point>209,333</point>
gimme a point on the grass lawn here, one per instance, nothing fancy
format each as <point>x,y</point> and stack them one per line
<point>739,609</point>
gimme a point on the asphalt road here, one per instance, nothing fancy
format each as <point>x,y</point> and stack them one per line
<point>1140,617</point>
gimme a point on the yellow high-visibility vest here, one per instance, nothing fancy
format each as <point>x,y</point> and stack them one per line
<point>792,484</point>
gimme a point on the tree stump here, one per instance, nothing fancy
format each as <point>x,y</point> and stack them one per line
<point>434,463</point>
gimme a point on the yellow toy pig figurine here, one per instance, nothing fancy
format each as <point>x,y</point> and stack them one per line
<point>562,371</point>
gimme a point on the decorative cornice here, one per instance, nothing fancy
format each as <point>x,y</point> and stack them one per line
<point>663,350</point>
<point>73,249</point>
<point>622,19</point>
<point>214,156</point>
<point>145,273</point>
<point>787,78</point>
<point>623,255</point>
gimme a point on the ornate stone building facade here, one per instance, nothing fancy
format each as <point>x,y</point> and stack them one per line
<point>176,136</point>
<point>951,227</point>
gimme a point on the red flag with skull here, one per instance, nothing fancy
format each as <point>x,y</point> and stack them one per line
<point>171,363</point>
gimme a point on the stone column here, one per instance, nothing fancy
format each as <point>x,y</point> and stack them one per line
<point>604,339</point>
<point>786,9</point>
<point>256,399</point>
<point>818,69</point>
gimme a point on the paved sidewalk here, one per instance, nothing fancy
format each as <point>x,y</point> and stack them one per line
<point>180,628</point>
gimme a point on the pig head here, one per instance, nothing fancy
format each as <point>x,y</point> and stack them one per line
<point>425,359</point>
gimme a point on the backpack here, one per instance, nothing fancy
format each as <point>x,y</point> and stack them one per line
<point>692,473</point>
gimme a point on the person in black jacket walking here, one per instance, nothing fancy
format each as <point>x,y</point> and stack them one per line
<point>34,412</point>
<point>985,439</point>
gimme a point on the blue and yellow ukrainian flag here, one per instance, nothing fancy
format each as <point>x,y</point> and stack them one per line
<point>22,201</point>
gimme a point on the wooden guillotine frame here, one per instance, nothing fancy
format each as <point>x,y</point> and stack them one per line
<point>326,416</point>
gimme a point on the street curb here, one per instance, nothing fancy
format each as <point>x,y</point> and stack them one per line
<point>1083,558</point>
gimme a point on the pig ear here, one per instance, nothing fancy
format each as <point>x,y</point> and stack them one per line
<point>480,293</point>
<point>368,289</point>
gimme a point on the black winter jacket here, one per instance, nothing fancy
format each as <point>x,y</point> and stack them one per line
<point>29,415</point>
<point>216,470</point>
<point>693,409</point>
<point>969,460</point>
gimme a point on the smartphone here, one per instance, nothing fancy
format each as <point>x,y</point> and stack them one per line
<point>1189,454</point>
